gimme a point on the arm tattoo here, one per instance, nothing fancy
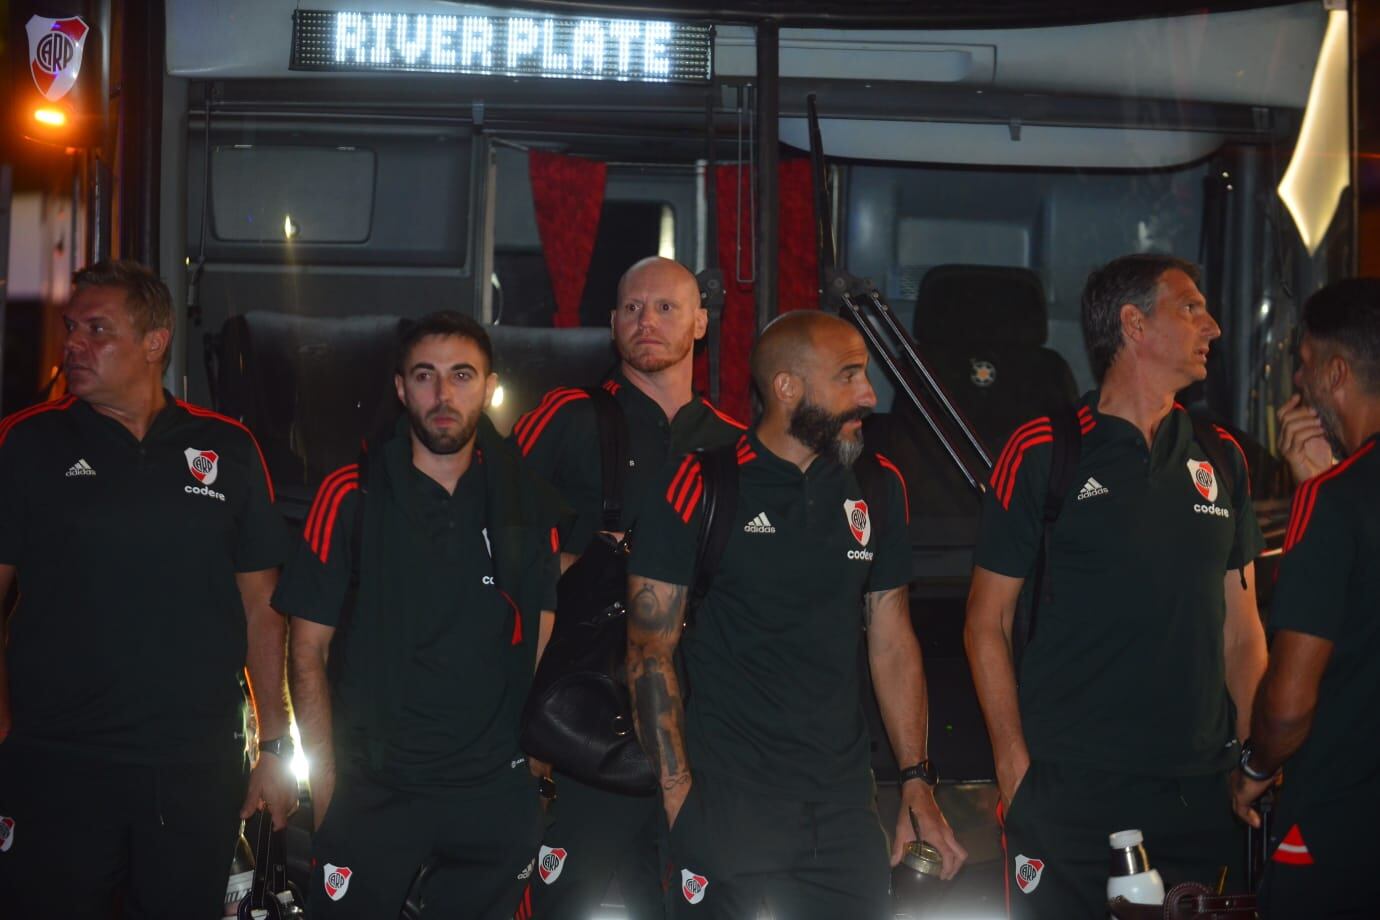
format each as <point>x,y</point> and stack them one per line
<point>654,625</point>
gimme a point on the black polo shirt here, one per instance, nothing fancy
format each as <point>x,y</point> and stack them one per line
<point>447,725</point>
<point>560,441</point>
<point>1329,587</point>
<point>772,655</point>
<point>129,636</point>
<point>1126,669</point>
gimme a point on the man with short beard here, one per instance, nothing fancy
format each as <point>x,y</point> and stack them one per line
<point>597,835</point>
<point>1323,680</point>
<point>434,557</point>
<point>766,776</point>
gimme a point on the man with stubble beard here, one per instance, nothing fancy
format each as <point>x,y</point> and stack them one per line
<point>420,583</point>
<point>1323,680</point>
<point>595,835</point>
<point>765,775</point>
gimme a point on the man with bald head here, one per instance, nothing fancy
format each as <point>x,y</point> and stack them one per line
<point>765,776</point>
<point>657,318</point>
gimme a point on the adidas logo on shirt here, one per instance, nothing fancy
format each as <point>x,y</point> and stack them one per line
<point>759,524</point>
<point>1091,489</point>
<point>81,468</point>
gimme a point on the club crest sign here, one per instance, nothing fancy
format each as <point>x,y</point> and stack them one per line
<point>55,51</point>
<point>204,465</point>
<point>1203,479</point>
<point>858,521</point>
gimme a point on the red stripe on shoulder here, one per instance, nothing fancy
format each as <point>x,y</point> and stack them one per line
<point>543,414</point>
<point>1306,498</point>
<point>8,423</point>
<point>324,493</point>
<point>1010,487</point>
<point>905,493</point>
<point>1037,431</point>
<point>328,520</point>
<point>526,420</point>
<point>686,487</point>
<point>201,412</point>
<point>1227,436</point>
<point>723,416</point>
<point>612,386</point>
<point>1086,421</point>
<point>745,452</point>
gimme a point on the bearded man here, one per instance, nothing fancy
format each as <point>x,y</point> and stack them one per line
<point>433,558</point>
<point>766,777</point>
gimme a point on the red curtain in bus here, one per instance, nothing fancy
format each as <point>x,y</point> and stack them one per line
<point>797,278</point>
<point>568,193</point>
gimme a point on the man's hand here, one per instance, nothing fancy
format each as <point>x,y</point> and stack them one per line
<point>1302,442</point>
<point>918,798</point>
<point>1010,774</point>
<point>271,786</point>
<point>1245,792</point>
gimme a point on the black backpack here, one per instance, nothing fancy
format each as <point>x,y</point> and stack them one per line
<point>578,715</point>
<point>1067,448</point>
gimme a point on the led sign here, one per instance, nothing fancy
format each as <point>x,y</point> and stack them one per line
<point>502,45</point>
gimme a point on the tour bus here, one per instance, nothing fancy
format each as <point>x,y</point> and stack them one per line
<point>306,173</point>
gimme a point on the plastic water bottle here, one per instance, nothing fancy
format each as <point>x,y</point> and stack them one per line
<point>1131,876</point>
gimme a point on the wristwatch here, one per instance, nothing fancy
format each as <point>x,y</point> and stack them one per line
<point>924,771</point>
<point>280,747</point>
<point>1249,771</point>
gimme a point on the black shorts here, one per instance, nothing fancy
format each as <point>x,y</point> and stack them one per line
<point>595,836</point>
<point>733,850</point>
<point>1055,836</point>
<point>85,834</point>
<point>479,845</point>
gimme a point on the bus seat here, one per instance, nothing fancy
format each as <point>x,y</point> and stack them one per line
<point>981,330</point>
<point>312,389</point>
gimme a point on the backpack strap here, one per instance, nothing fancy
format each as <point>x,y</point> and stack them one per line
<point>871,477</point>
<point>718,505</point>
<point>1211,443</point>
<point>613,455</point>
<point>1066,449</point>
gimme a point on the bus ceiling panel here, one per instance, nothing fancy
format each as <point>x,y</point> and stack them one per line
<point>1002,145</point>
<point>1252,57</point>
<point>890,13</point>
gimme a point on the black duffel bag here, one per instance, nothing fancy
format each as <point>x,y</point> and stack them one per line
<point>578,715</point>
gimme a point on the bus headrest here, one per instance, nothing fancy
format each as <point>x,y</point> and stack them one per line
<point>994,304</point>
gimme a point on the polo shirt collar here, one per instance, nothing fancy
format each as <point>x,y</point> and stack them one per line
<point>170,415</point>
<point>1116,428</point>
<point>639,404</point>
<point>822,465</point>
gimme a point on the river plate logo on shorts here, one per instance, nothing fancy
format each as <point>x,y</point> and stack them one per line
<point>550,862</point>
<point>203,464</point>
<point>6,834</point>
<point>337,880</point>
<point>1028,872</point>
<point>55,47</point>
<point>1203,479</point>
<point>693,886</point>
<point>858,521</point>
